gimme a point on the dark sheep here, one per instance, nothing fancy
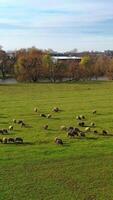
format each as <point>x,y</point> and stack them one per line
<point>23,124</point>
<point>1,141</point>
<point>58,141</point>
<point>5,131</point>
<point>10,140</point>
<point>70,128</point>
<point>95,131</point>
<point>82,134</point>
<point>94,111</point>
<point>1,132</point>
<point>82,124</point>
<point>18,140</point>
<point>20,122</point>
<point>77,129</point>
<point>42,115</point>
<point>104,132</point>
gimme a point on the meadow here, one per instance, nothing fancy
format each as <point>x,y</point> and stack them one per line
<point>81,169</point>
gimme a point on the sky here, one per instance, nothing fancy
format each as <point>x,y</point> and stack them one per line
<point>61,25</point>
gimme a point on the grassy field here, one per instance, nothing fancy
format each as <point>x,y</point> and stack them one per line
<point>81,169</point>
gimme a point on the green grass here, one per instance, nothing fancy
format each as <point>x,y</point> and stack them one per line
<point>40,170</point>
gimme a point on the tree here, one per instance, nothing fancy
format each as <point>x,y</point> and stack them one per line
<point>49,66</point>
<point>3,63</point>
<point>87,67</point>
<point>29,65</point>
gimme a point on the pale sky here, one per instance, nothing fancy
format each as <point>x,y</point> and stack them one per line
<point>58,24</point>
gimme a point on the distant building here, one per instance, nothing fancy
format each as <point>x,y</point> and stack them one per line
<point>67,59</point>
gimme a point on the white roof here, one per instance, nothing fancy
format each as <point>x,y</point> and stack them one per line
<point>66,58</point>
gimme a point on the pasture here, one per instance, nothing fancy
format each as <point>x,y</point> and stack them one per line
<point>38,169</point>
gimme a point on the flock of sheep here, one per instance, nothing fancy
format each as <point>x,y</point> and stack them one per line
<point>72,132</point>
<point>17,140</point>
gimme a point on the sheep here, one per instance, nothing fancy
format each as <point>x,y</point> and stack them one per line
<point>95,131</point>
<point>81,124</point>
<point>10,128</point>
<point>58,141</point>
<point>94,111</point>
<point>14,121</point>
<point>20,121</point>
<point>70,128</point>
<point>73,132</point>
<point>104,132</point>
<point>18,140</point>
<point>1,131</point>
<point>49,116</point>
<point>23,124</point>
<point>82,116</point>
<point>4,140</point>
<point>63,128</point>
<point>46,126</point>
<point>56,109</point>
<point>1,141</point>
<point>35,110</point>
<point>92,124</point>
<point>87,129</point>
<point>78,117</point>
<point>82,134</point>
<point>77,129</point>
<point>5,131</point>
<point>42,115</point>
<point>10,140</point>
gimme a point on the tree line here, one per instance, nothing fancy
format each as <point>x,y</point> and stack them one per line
<point>34,65</point>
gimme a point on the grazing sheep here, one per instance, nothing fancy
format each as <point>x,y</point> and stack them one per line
<point>82,134</point>
<point>10,140</point>
<point>20,121</point>
<point>56,109</point>
<point>14,121</point>
<point>46,126</point>
<point>18,140</point>
<point>42,115</point>
<point>94,111</point>
<point>58,141</point>
<point>23,124</point>
<point>72,133</point>
<point>1,131</point>
<point>63,128</point>
<point>5,131</point>
<point>10,128</point>
<point>4,140</point>
<point>77,129</point>
<point>82,124</point>
<point>1,141</point>
<point>70,128</point>
<point>49,116</point>
<point>35,110</point>
<point>92,124</point>
<point>82,116</point>
<point>87,129</point>
<point>95,131</point>
<point>104,132</point>
<point>78,117</point>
